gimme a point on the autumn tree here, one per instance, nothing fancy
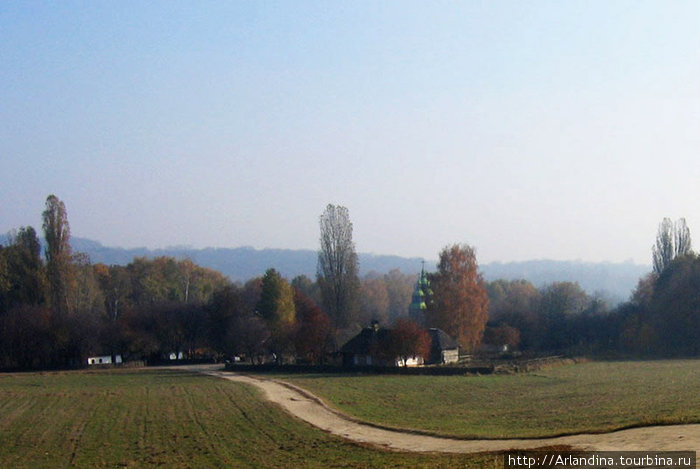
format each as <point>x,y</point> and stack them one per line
<point>153,281</point>
<point>313,331</point>
<point>337,269</point>
<point>276,303</point>
<point>509,298</point>
<point>675,307</point>
<point>565,298</point>
<point>26,337</point>
<point>198,283</point>
<point>223,311</point>
<point>166,279</point>
<point>515,303</point>
<point>24,279</point>
<point>276,307</point>
<point>501,335</point>
<point>186,269</point>
<point>250,293</point>
<point>85,292</point>
<point>560,302</point>
<point>252,336</point>
<point>115,283</point>
<point>237,327</point>
<point>58,252</point>
<point>644,291</point>
<point>25,332</point>
<point>460,303</point>
<point>672,241</point>
<point>374,300</point>
<point>4,279</point>
<point>399,288</point>
<point>405,341</point>
<point>308,287</point>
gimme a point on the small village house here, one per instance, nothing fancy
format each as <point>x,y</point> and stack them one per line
<point>105,360</point>
<point>443,348</point>
<point>367,349</point>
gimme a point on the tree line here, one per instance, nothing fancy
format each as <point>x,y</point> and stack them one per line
<point>57,308</point>
<point>661,318</point>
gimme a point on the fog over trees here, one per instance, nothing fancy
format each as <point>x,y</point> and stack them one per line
<point>616,281</point>
<point>60,308</point>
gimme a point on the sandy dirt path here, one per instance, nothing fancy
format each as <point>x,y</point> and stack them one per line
<point>313,410</point>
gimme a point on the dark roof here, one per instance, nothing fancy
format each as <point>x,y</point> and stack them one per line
<point>363,342</point>
<point>441,340</point>
<point>368,338</point>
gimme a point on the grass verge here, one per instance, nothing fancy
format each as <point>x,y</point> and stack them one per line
<point>587,397</point>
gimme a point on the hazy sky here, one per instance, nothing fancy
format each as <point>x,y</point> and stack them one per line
<point>541,129</point>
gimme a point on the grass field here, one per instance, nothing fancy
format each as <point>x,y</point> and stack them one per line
<point>148,418</point>
<point>587,397</point>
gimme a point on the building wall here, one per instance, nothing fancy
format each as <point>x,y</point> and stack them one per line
<point>450,356</point>
<point>103,360</point>
<point>412,361</point>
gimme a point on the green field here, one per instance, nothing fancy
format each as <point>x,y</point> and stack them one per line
<point>148,418</point>
<point>587,397</point>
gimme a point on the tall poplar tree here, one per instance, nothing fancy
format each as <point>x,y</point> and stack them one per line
<point>460,302</point>
<point>58,252</point>
<point>337,269</point>
<point>672,241</point>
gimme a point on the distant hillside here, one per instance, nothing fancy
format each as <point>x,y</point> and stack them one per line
<point>244,262</point>
<point>615,280</point>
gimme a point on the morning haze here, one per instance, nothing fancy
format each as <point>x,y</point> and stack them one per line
<point>407,233</point>
<point>561,131</point>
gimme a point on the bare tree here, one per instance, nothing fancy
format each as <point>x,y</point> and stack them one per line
<point>86,296</point>
<point>337,270</point>
<point>186,269</point>
<point>682,238</point>
<point>672,241</point>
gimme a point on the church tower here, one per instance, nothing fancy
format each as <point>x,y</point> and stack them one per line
<point>422,296</point>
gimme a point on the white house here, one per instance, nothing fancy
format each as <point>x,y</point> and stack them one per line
<point>104,360</point>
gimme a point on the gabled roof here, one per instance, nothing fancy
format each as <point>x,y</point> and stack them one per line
<point>441,340</point>
<point>363,342</point>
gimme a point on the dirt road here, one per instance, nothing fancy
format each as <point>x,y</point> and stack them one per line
<point>311,409</point>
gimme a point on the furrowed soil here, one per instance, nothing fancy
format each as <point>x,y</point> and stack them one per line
<point>174,419</point>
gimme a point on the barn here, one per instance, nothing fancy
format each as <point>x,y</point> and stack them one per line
<point>443,348</point>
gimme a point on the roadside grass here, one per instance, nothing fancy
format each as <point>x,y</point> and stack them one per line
<point>587,397</point>
<point>148,418</point>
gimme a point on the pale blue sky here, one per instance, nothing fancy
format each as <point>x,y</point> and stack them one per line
<point>543,129</point>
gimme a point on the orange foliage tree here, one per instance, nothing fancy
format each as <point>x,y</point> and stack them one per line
<point>314,329</point>
<point>460,302</point>
<point>407,340</point>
